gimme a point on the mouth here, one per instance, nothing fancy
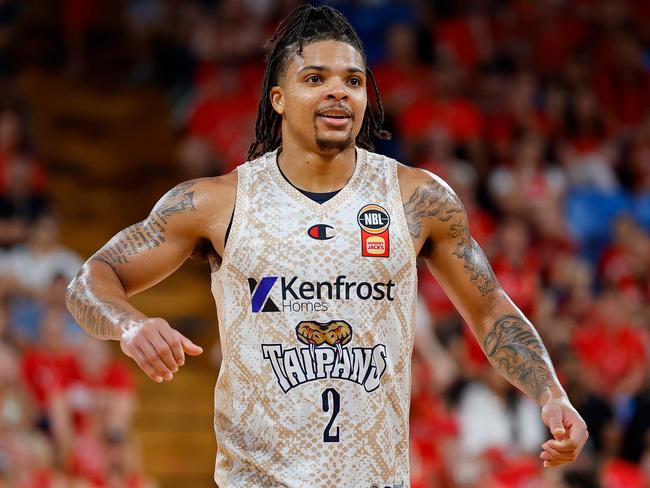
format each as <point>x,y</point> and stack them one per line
<point>335,117</point>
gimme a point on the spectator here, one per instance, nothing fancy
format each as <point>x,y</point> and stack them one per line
<point>36,272</point>
<point>586,152</point>
<point>20,205</point>
<point>402,78</point>
<point>49,368</point>
<point>612,331</point>
<point>508,426</point>
<point>529,183</point>
<point>516,264</point>
<point>101,386</point>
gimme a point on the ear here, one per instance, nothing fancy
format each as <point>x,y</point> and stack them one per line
<point>276,95</point>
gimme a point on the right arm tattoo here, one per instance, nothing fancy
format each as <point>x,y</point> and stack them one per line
<point>150,232</point>
<point>97,317</point>
<point>101,316</point>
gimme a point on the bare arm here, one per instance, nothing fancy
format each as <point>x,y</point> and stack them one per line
<point>140,256</point>
<point>134,259</point>
<point>438,223</point>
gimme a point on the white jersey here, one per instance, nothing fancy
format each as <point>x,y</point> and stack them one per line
<point>316,309</point>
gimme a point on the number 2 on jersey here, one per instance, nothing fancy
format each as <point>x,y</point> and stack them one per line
<point>335,406</point>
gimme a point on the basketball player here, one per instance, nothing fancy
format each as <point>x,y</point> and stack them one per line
<point>314,245</point>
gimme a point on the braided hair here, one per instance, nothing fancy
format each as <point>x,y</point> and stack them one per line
<point>305,25</point>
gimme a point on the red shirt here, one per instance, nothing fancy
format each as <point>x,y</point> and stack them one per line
<point>47,373</point>
<point>520,283</point>
<point>227,123</point>
<point>459,116</point>
<point>610,351</point>
<point>400,88</point>
<point>117,376</point>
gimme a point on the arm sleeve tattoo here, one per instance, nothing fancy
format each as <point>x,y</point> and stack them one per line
<point>100,316</point>
<point>516,350</point>
<point>432,200</point>
<point>95,316</point>
<point>149,233</point>
<point>511,344</point>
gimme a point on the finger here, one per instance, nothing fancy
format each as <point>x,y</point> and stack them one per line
<point>189,347</point>
<point>554,420</point>
<point>152,356</point>
<point>556,455</point>
<point>555,424</point>
<point>173,340</point>
<point>164,352</point>
<point>554,464</point>
<point>141,360</point>
<point>561,446</point>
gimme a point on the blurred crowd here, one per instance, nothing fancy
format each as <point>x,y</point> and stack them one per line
<point>536,113</point>
<point>66,404</point>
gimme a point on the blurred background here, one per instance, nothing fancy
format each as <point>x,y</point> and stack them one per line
<point>537,114</point>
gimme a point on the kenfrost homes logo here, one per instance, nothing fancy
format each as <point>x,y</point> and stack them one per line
<point>326,357</point>
<point>293,295</point>
<point>260,301</point>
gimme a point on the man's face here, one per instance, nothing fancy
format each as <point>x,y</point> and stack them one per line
<point>322,97</point>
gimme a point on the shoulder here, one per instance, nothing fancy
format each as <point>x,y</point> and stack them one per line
<point>430,205</point>
<point>200,194</point>
<point>202,190</point>
<point>418,185</point>
<point>195,205</point>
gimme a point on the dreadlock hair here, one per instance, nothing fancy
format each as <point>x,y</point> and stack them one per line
<point>305,25</point>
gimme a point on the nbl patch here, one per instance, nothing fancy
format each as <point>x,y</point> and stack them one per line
<point>375,240</point>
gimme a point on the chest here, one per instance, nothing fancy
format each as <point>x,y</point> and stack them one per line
<point>363,234</point>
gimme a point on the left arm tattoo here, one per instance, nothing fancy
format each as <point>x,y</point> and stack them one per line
<point>515,349</point>
<point>434,200</point>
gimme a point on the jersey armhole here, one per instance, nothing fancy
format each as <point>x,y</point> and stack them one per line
<point>225,239</point>
<point>234,225</point>
<point>396,194</point>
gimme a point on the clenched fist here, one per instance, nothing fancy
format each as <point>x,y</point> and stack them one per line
<point>158,349</point>
<point>568,429</point>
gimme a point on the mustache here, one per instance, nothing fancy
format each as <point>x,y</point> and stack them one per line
<point>340,108</point>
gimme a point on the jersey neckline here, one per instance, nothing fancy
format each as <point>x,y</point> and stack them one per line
<point>301,199</point>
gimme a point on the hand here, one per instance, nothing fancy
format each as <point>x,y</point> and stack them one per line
<point>568,429</point>
<point>158,349</point>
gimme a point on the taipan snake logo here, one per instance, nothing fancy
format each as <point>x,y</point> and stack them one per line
<point>326,357</point>
<point>335,333</point>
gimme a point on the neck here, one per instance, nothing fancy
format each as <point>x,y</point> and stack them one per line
<point>315,171</point>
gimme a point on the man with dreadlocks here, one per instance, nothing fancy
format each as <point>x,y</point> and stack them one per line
<point>313,249</point>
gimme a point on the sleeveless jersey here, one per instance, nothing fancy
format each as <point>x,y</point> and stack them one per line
<point>316,306</point>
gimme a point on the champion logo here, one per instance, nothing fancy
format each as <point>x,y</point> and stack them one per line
<point>321,232</point>
<point>260,301</point>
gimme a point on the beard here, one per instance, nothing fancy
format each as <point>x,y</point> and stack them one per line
<point>338,145</point>
<point>333,145</point>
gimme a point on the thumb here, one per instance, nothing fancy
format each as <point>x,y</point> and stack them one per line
<point>189,347</point>
<point>555,424</point>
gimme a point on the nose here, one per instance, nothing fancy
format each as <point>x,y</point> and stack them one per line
<point>337,91</point>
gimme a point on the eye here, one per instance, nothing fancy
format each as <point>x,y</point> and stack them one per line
<point>313,79</point>
<point>355,81</point>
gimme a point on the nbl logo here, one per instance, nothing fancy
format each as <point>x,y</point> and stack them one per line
<point>375,239</point>
<point>260,300</point>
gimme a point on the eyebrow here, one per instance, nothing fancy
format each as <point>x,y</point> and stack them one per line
<point>318,67</point>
